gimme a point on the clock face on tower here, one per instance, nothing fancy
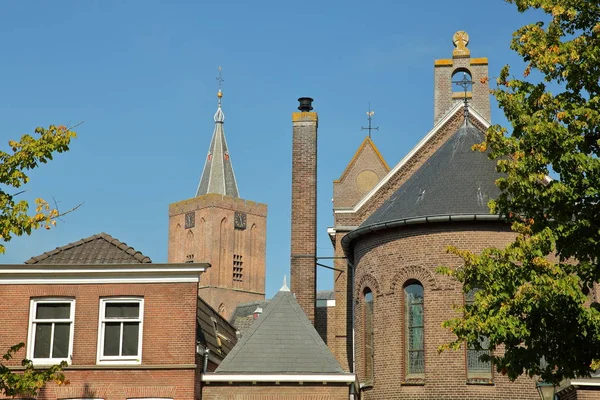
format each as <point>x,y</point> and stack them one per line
<point>239,220</point>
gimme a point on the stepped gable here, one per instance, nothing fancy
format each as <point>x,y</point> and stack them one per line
<point>283,341</point>
<point>454,181</point>
<point>101,248</point>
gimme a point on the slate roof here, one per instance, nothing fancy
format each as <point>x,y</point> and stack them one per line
<point>243,315</point>
<point>217,176</point>
<point>281,341</point>
<point>454,181</point>
<point>325,295</point>
<point>214,333</point>
<point>97,249</point>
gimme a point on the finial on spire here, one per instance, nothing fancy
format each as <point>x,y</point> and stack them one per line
<point>465,83</point>
<point>461,40</point>
<point>220,80</point>
<point>370,114</point>
<point>285,287</point>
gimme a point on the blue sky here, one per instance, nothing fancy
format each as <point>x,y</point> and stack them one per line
<point>141,75</point>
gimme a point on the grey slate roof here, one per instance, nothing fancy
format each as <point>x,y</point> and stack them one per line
<point>281,341</point>
<point>214,333</point>
<point>243,315</point>
<point>217,176</point>
<point>455,180</point>
<point>96,249</point>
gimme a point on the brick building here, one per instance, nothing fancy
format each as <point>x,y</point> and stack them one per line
<point>218,227</point>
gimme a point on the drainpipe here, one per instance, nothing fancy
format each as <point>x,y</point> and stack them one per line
<point>205,360</point>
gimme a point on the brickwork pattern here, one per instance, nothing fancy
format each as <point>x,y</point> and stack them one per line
<point>384,262</point>
<point>324,323</point>
<point>346,191</point>
<point>304,210</point>
<point>169,337</point>
<point>275,392</point>
<point>226,300</point>
<point>213,239</point>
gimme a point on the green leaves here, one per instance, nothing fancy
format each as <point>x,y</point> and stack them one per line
<point>534,302</point>
<point>31,380</point>
<point>26,154</point>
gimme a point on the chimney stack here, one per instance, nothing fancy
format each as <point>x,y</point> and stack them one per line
<point>304,206</point>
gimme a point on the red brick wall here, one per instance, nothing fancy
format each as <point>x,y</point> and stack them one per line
<point>275,392</point>
<point>213,239</point>
<point>384,262</point>
<point>304,210</point>
<point>169,337</point>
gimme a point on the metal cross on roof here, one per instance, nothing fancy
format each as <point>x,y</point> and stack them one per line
<point>220,80</point>
<point>465,83</point>
<point>370,114</point>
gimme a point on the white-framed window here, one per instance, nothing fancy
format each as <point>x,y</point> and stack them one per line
<point>51,323</point>
<point>120,330</point>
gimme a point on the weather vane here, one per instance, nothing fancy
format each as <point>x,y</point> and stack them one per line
<point>370,114</point>
<point>220,80</point>
<point>465,83</point>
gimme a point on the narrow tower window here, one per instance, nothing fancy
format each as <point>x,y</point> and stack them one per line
<point>369,336</point>
<point>237,268</point>
<point>414,332</point>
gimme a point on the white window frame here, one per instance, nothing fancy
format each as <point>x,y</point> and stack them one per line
<point>33,321</point>
<point>101,358</point>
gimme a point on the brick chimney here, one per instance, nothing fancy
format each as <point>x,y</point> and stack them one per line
<point>304,206</point>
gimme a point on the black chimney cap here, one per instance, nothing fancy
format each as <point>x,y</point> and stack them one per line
<point>305,104</point>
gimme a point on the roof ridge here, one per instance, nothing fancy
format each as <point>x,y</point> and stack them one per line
<point>138,255</point>
<point>366,141</point>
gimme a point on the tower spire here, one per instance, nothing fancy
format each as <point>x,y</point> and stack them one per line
<point>218,176</point>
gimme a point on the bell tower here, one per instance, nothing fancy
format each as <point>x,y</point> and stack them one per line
<point>219,227</point>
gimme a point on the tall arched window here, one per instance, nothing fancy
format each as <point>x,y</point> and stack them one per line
<point>369,335</point>
<point>477,369</point>
<point>414,332</point>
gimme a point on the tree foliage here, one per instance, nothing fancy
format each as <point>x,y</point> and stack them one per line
<point>537,299</point>
<point>31,380</point>
<point>26,155</point>
<point>15,220</point>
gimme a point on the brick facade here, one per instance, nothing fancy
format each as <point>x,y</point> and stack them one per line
<point>255,391</point>
<point>304,210</point>
<point>214,239</point>
<point>168,366</point>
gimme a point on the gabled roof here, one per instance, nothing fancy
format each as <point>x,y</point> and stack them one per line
<point>217,176</point>
<point>455,180</point>
<point>281,341</point>
<point>367,143</point>
<point>97,249</point>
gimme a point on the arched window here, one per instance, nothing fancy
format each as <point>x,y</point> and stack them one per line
<point>477,369</point>
<point>369,336</point>
<point>462,83</point>
<point>414,332</point>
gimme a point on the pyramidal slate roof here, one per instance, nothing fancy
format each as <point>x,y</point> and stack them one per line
<point>96,249</point>
<point>282,340</point>
<point>454,181</point>
<point>217,176</point>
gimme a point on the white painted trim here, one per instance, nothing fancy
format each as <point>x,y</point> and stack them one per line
<point>342,378</point>
<point>101,273</point>
<point>325,302</point>
<point>31,335</point>
<point>584,382</point>
<point>119,360</point>
<point>458,107</point>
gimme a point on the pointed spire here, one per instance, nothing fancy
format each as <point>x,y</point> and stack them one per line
<point>218,176</point>
<point>285,287</point>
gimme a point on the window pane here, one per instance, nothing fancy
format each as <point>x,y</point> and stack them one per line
<point>60,347</point>
<point>369,336</point>
<point>41,348</point>
<point>122,310</point>
<point>413,298</point>
<point>415,339</point>
<point>112,336</point>
<point>130,338</point>
<point>416,362</point>
<point>53,311</point>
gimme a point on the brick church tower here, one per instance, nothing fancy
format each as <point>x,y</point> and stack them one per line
<point>220,228</point>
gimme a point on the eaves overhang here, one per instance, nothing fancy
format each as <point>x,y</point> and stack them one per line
<point>348,240</point>
<point>346,378</point>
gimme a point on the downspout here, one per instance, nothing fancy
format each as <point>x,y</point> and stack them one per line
<point>205,360</point>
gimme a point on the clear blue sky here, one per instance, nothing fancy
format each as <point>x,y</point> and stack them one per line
<point>141,74</point>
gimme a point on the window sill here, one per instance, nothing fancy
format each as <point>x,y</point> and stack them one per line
<point>414,382</point>
<point>48,362</point>
<point>119,362</point>
<point>480,381</point>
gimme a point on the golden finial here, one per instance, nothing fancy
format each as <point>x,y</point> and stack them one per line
<point>220,80</point>
<point>461,40</point>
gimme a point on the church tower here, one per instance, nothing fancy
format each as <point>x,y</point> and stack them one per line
<point>218,227</point>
